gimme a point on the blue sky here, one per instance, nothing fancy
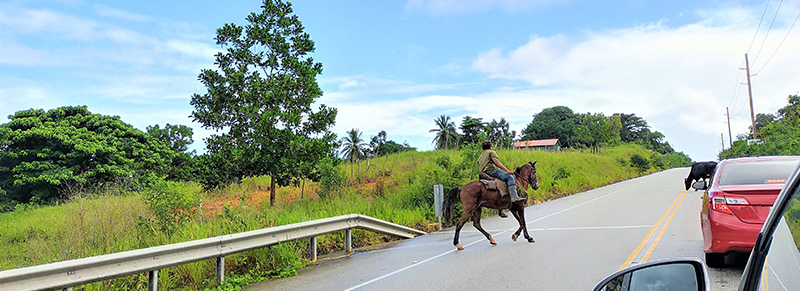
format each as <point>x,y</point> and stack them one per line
<point>398,65</point>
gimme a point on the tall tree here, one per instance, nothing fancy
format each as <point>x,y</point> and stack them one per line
<point>353,147</point>
<point>178,138</point>
<point>260,99</point>
<point>446,135</point>
<point>499,133</point>
<point>471,128</point>
<point>555,122</point>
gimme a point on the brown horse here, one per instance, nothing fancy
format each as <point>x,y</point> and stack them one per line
<point>474,196</point>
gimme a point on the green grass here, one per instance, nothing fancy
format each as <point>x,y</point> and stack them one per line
<point>398,189</point>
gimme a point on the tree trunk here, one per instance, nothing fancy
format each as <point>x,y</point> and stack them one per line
<point>272,192</point>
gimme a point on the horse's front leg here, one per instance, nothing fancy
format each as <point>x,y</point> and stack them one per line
<point>522,225</point>
<point>519,214</point>
<point>476,222</point>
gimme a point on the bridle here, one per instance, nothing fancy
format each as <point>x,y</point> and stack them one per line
<point>529,179</point>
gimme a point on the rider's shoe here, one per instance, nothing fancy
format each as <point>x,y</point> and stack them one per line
<point>502,214</point>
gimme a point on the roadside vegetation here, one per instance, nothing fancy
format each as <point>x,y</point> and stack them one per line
<point>778,134</point>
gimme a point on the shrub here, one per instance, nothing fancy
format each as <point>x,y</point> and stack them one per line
<point>172,203</point>
<point>332,178</point>
<point>640,163</point>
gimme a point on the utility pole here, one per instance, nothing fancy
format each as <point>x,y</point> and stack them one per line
<point>730,137</point>
<point>750,92</point>
<point>722,140</point>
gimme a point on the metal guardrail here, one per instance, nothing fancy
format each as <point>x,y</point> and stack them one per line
<point>66,274</point>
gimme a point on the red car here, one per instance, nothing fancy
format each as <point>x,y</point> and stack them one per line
<point>737,202</point>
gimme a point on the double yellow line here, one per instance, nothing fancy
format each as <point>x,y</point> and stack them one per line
<point>673,208</point>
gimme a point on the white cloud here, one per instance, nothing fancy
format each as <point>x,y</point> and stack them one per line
<point>451,7</point>
<point>107,11</point>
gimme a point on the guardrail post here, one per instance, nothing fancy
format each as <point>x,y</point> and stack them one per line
<point>313,249</point>
<point>220,269</point>
<point>348,241</point>
<point>152,280</point>
<point>438,197</point>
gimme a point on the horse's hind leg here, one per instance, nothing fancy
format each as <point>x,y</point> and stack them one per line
<point>459,225</point>
<point>476,222</point>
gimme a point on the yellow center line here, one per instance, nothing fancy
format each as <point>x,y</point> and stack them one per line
<point>649,234</point>
<point>663,229</point>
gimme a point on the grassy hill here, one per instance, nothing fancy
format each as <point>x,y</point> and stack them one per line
<point>396,188</point>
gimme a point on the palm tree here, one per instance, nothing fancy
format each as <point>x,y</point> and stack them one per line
<point>446,135</point>
<point>353,147</point>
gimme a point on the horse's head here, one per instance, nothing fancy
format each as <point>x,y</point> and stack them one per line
<point>528,173</point>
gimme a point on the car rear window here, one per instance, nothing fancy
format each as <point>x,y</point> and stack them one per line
<point>757,172</point>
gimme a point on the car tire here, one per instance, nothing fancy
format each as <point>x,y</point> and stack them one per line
<point>715,260</point>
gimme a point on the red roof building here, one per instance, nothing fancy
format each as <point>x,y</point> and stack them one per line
<point>542,144</point>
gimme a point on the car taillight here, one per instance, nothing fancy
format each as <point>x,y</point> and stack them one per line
<point>721,204</point>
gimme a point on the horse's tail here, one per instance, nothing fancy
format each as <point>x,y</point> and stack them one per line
<point>449,204</point>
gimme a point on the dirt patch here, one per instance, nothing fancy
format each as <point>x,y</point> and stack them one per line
<point>259,197</point>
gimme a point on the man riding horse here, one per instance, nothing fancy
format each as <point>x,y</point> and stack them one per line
<point>489,163</point>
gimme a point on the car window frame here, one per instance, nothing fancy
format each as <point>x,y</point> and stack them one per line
<point>751,277</point>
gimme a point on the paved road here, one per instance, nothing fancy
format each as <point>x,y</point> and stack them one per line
<point>579,240</point>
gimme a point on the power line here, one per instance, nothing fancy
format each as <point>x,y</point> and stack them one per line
<point>736,86</point>
<point>780,44</point>
<point>759,26</point>
<point>768,30</point>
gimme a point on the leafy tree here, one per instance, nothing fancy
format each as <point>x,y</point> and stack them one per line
<point>499,133</point>
<point>593,130</point>
<point>633,127</point>
<point>353,147</point>
<point>392,147</point>
<point>261,97</point>
<point>178,138</point>
<point>49,155</point>
<point>446,135</point>
<point>791,112</point>
<point>377,142</point>
<point>555,122</point>
<point>471,128</point>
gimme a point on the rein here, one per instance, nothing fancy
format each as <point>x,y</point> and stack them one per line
<point>520,177</point>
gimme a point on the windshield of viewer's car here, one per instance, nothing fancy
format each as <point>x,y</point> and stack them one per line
<point>760,172</point>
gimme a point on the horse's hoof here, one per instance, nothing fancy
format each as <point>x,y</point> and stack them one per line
<point>459,247</point>
<point>530,240</point>
<point>491,241</point>
<point>514,237</point>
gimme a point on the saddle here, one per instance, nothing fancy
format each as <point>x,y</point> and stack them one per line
<point>492,183</point>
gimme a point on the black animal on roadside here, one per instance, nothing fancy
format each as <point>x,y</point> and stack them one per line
<point>700,170</point>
